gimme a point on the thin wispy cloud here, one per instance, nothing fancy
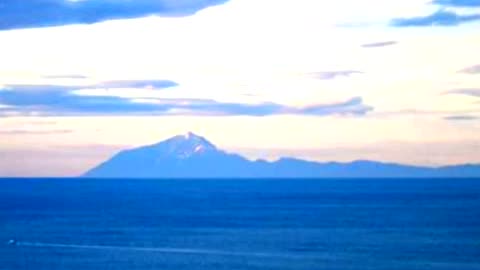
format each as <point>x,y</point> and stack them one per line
<point>469,92</point>
<point>439,18</point>
<point>330,75</point>
<point>139,84</point>
<point>34,132</point>
<point>65,76</point>
<point>471,70</point>
<point>41,123</point>
<point>37,88</point>
<point>379,44</point>
<point>461,118</point>
<point>40,13</point>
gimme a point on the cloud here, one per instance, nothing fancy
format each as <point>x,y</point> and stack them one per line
<point>41,13</point>
<point>137,84</point>
<point>37,87</point>
<point>458,3</point>
<point>353,106</point>
<point>439,18</point>
<point>55,102</point>
<point>469,92</point>
<point>471,70</point>
<point>65,76</point>
<point>35,132</point>
<point>379,44</point>
<point>58,101</point>
<point>330,75</point>
<point>41,123</point>
<point>461,117</point>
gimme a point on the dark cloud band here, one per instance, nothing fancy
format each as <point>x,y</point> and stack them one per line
<point>42,13</point>
<point>56,102</point>
<point>458,3</point>
<point>439,18</point>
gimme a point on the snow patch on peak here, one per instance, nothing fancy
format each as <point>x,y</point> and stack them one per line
<point>198,148</point>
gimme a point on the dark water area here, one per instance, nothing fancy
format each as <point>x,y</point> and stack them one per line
<point>240,224</point>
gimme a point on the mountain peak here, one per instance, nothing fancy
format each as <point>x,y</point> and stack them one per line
<point>192,156</point>
<point>186,145</point>
<point>192,136</point>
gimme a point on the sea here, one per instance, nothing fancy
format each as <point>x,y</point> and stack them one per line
<point>341,224</point>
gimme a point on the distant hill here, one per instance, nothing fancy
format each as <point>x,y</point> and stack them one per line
<point>192,156</point>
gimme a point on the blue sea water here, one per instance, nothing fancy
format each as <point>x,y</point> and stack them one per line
<point>240,224</point>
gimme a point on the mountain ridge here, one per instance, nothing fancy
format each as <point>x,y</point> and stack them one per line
<point>193,156</point>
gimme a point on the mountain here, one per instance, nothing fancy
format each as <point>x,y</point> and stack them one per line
<point>192,156</point>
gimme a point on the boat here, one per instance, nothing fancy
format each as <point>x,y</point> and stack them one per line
<point>12,242</point>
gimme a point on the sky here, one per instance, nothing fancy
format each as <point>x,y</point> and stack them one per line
<point>395,81</point>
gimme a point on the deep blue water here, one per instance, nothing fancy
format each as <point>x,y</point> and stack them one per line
<point>240,224</point>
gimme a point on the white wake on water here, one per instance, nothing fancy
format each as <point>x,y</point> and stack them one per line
<point>156,249</point>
